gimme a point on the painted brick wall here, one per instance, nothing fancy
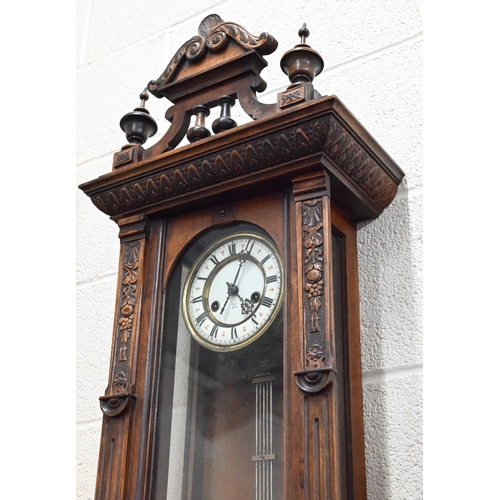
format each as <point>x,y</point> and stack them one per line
<point>372,51</point>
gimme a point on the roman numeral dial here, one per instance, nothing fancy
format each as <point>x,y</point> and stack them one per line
<point>233,291</point>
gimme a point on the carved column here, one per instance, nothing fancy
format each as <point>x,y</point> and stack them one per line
<point>315,392</point>
<point>118,401</point>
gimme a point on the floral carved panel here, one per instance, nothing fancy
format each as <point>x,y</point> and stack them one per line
<point>119,389</point>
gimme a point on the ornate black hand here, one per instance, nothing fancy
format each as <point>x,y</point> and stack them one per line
<point>229,288</point>
<point>232,289</point>
<point>246,306</point>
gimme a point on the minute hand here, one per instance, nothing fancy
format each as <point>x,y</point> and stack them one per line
<point>231,287</point>
<point>242,261</point>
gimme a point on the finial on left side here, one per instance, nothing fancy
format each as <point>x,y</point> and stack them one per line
<point>139,125</point>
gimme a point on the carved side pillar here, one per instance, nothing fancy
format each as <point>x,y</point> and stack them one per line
<point>119,400</point>
<point>314,392</point>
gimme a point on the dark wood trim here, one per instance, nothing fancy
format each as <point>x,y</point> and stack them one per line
<point>353,390</point>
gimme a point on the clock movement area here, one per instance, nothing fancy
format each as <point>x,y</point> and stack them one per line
<point>219,419</point>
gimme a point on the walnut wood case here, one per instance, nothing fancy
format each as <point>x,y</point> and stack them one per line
<point>306,172</point>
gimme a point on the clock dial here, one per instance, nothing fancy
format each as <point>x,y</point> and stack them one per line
<point>233,291</point>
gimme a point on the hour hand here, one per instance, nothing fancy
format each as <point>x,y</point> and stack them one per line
<point>232,289</point>
<point>229,286</point>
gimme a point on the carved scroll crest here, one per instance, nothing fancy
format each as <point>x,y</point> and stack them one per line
<point>213,36</point>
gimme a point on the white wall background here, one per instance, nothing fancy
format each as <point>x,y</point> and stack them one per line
<point>373,61</point>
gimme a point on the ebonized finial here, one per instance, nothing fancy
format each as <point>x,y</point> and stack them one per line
<point>138,125</point>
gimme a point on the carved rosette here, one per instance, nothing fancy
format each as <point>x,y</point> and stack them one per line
<point>115,402</point>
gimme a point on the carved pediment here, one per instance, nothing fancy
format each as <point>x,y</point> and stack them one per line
<point>301,132</point>
<point>203,51</point>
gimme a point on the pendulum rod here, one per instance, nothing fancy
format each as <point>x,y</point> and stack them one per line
<point>264,455</point>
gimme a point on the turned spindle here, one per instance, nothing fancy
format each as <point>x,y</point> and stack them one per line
<point>225,122</point>
<point>199,131</point>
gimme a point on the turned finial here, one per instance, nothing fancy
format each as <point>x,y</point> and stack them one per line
<point>138,125</point>
<point>302,64</point>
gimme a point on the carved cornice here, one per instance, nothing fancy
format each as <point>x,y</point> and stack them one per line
<point>282,144</point>
<point>356,162</point>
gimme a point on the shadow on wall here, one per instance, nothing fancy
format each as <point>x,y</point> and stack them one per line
<point>391,342</point>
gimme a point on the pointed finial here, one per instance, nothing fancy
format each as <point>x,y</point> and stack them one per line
<point>302,64</point>
<point>138,125</point>
<point>144,97</point>
<point>303,33</point>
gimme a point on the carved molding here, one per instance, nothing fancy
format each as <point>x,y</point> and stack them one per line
<point>288,136</point>
<point>354,160</point>
<point>229,163</point>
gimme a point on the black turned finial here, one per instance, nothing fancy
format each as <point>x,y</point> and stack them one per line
<point>225,122</point>
<point>138,125</point>
<point>199,131</point>
<point>302,64</point>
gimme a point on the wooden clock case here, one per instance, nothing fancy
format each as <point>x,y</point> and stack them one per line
<point>306,172</point>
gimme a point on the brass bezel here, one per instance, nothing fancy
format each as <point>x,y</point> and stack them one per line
<point>194,271</point>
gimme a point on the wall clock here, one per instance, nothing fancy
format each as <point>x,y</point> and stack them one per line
<point>235,369</point>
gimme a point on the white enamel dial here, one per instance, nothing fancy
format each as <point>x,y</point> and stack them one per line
<point>233,291</point>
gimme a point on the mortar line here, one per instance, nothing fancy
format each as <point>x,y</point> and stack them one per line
<point>85,35</point>
<point>372,55</point>
<point>105,278</point>
<point>89,161</point>
<point>164,30</point>
<point>382,375</point>
<point>88,424</point>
